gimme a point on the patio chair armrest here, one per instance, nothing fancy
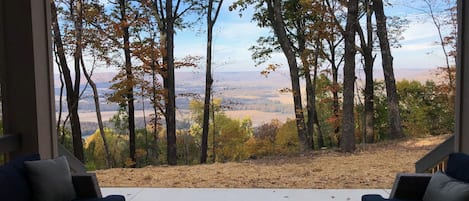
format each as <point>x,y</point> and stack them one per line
<point>410,186</point>
<point>86,185</point>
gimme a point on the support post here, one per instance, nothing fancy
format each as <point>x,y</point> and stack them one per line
<point>462,80</point>
<point>26,76</point>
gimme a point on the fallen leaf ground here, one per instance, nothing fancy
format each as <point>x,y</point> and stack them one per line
<point>371,166</point>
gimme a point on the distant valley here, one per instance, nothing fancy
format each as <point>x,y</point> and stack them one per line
<point>247,94</point>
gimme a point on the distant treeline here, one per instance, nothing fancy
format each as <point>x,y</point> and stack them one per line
<point>425,110</point>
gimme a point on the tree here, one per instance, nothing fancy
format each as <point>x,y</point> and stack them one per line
<point>275,17</point>
<point>348,132</point>
<point>119,24</point>
<point>309,26</point>
<point>232,139</point>
<point>197,110</point>
<point>72,86</point>
<point>366,49</point>
<point>286,138</point>
<point>334,43</point>
<point>263,141</point>
<point>147,49</point>
<point>425,108</point>
<point>167,17</point>
<point>93,44</point>
<point>443,15</point>
<point>394,118</point>
<point>325,105</point>
<point>208,75</point>
<point>269,14</point>
<point>98,115</point>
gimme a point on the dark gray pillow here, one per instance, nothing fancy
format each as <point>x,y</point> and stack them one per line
<point>51,180</point>
<point>444,188</point>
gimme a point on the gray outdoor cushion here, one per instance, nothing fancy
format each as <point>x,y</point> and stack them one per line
<point>444,188</point>
<point>51,180</point>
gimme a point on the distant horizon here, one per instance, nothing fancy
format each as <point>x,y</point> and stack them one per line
<point>242,86</point>
<point>259,70</point>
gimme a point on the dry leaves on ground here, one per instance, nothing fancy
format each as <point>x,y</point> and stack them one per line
<point>372,166</point>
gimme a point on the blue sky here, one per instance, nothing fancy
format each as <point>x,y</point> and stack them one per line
<point>233,35</point>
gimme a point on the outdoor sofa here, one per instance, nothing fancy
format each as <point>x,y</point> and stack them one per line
<point>30,179</point>
<point>452,185</point>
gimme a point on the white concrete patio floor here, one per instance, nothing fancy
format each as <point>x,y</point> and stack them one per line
<point>220,194</point>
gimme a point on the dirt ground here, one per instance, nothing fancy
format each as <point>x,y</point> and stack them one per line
<point>372,166</point>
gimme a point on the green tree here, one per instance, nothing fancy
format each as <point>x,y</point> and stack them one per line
<point>233,135</point>
<point>325,90</point>
<point>284,18</point>
<point>381,125</point>
<point>95,152</point>
<point>425,108</point>
<point>197,115</point>
<point>286,139</point>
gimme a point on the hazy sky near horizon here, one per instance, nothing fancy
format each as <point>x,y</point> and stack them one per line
<point>233,35</point>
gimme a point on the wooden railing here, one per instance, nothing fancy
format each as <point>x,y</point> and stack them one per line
<point>76,166</point>
<point>436,159</point>
<point>12,142</point>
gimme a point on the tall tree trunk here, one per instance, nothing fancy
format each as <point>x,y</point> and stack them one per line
<point>60,131</point>
<point>129,77</point>
<point>275,17</point>
<point>310,102</point>
<point>72,92</point>
<point>334,43</point>
<point>155,111</point>
<point>348,132</point>
<point>367,52</point>
<point>165,19</point>
<point>208,78</point>
<point>74,117</point>
<point>145,127</point>
<point>170,87</point>
<point>335,102</point>
<point>335,96</point>
<point>394,117</point>
<point>315,113</point>
<point>98,115</point>
<point>310,87</point>
<point>369,103</point>
<point>321,143</point>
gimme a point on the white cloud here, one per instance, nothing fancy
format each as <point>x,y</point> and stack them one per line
<point>419,48</point>
<point>420,31</point>
<point>424,46</point>
<point>240,31</point>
